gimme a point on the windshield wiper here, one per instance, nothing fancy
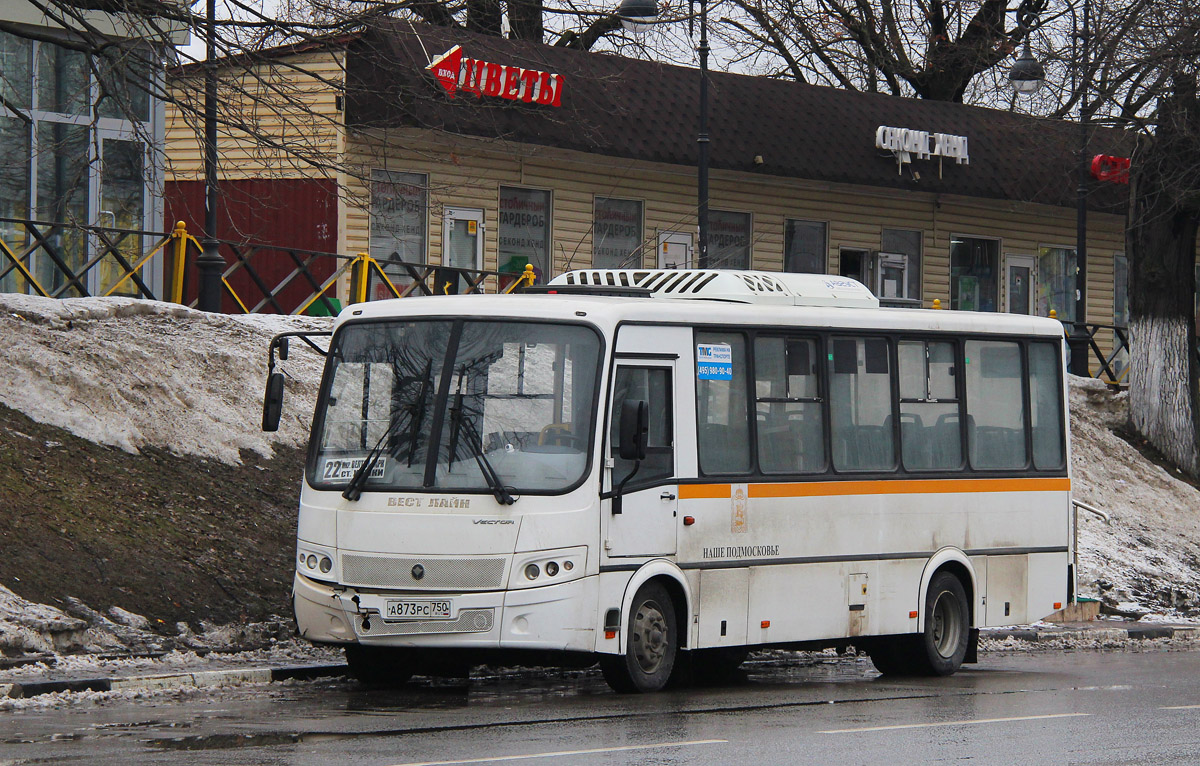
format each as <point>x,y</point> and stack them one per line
<point>354,489</point>
<point>457,418</point>
<point>416,413</point>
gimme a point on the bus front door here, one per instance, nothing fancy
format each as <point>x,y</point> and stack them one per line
<point>645,524</point>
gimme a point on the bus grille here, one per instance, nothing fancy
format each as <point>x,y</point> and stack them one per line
<point>438,574</point>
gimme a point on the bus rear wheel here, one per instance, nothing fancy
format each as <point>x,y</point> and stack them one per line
<point>379,666</point>
<point>651,644</point>
<point>942,646</point>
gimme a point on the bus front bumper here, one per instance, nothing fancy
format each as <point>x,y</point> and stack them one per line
<point>552,617</point>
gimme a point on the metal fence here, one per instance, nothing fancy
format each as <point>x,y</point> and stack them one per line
<point>62,260</point>
<point>65,260</point>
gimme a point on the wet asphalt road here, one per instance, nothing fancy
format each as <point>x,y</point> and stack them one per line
<point>1039,708</point>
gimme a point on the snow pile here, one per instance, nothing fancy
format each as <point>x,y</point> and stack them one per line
<point>27,628</point>
<point>1148,558</point>
<point>130,373</point>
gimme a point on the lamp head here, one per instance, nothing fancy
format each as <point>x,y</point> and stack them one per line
<point>637,15</point>
<point>1027,73</point>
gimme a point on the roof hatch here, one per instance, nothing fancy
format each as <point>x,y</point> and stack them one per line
<point>759,287</point>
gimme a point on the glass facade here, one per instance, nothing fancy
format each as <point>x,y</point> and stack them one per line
<point>74,150</point>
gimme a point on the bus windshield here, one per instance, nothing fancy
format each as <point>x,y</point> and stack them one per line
<point>445,403</point>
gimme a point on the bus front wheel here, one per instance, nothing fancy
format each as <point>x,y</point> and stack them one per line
<point>651,644</point>
<point>379,666</point>
<point>942,646</point>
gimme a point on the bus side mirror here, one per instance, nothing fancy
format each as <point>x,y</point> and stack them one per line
<point>635,429</point>
<point>283,349</point>
<point>273,402</point>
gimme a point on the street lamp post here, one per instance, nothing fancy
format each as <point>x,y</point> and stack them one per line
<point>1026,76</point>
<point>210,264</point>
<point>636,16</point>
<point>1078,340</point>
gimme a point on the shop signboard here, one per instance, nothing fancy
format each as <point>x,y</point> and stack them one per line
<point>904,142</point>
<point>456,72</point>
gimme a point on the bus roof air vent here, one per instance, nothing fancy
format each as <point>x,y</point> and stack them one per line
<point>760,287</point>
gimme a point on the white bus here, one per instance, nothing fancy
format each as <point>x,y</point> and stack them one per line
<point>662,470</point>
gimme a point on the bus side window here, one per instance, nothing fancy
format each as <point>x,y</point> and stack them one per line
<point>995,405</point>
<point>860,405</point>
<point>791,418</point>
<point>929,406</point>
<point>723,413</point>
<point>653,386</point>
<point>1045,399</point>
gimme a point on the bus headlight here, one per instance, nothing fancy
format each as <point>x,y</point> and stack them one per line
<point>537,568</point>
<point>314,562</point>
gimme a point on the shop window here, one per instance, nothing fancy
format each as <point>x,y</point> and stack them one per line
<point>1056,282</point>
<point>728,240</point>
<point>974,266</point>
<point>724,423</point>
<point>860,404</point>
<point>399,204</point>
<point>930,436</point>
<point>905,242</point>
<point>995,405</point>
<point>804,246</point>
<point>524,235</point>
<point>791,412</point>
<point>617,234</point>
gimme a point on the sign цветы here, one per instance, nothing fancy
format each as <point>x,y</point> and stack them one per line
<point>457,72</point>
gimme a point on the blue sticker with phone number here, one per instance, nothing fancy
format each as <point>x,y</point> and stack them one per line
<point>714,361</point>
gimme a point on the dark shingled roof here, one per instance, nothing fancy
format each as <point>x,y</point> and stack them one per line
<point>645,110</point>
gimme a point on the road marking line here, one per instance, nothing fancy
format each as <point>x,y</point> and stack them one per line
<point>1181,707</point>
<point>953,723</point>
<point>560,753</point>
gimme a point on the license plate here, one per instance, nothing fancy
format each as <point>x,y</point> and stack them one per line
<point>418,610</point>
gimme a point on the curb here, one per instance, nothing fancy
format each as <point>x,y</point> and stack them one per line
<point>233,676</point>
<point>199,679</point>
<point>1139,633</point>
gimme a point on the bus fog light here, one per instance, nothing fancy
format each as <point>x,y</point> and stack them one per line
<point>568,565</point>
<point>551,568</point>
<point>532,571</point>
<point>326,564</point>
<point>312,561</point>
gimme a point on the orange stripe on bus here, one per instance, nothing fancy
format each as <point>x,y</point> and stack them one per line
<point>704,491</point>
<point>881,487</point>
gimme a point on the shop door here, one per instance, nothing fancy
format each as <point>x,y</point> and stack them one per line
<point>122,207</point>
<point>462,238</point>
<point>1020,286</point>
<point>646,524</point>
<point>855,263</point>
<point>674,250</point>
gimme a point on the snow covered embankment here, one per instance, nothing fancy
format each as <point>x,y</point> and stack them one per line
<point>1148,558</point>
<point>127,373</point>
